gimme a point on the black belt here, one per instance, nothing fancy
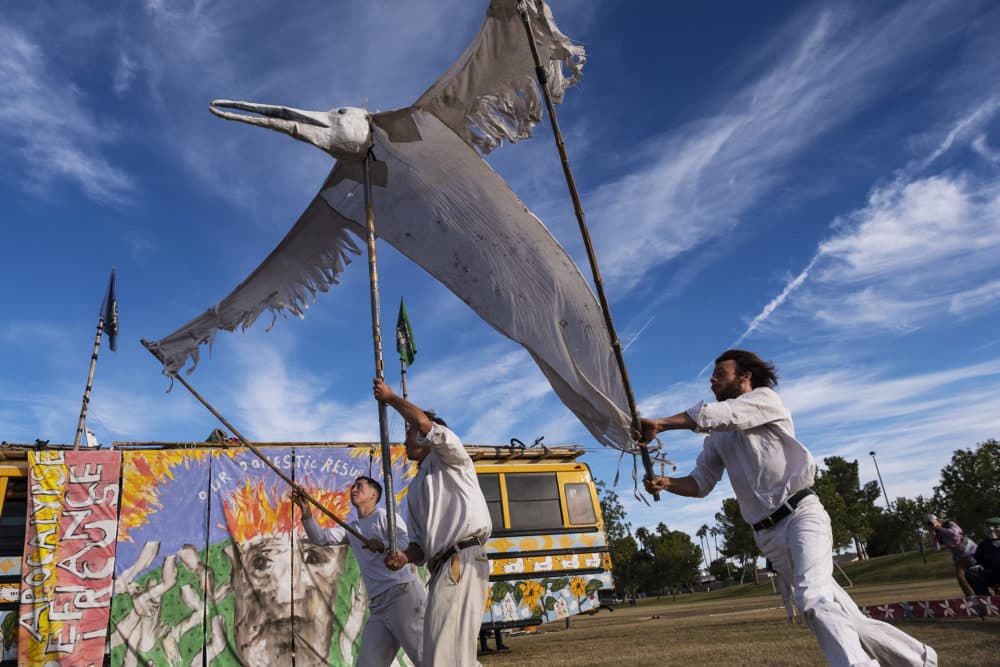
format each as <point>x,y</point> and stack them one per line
<point>435,563</point>
<point>786,508</point>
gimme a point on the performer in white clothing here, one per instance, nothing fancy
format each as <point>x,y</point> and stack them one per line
<point>396,598</point>
<point>752,437</point>
<point>450,522</point>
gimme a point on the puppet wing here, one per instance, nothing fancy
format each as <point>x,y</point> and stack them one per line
<point>490,94</point>
<point>449,212</point>
<point>309,259</point>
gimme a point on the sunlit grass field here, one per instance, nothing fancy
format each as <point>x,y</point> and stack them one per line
<point>746,625</point>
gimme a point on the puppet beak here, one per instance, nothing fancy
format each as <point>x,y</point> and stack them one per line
<point>344,133</point>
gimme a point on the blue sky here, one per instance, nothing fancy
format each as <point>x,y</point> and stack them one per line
<point>817,182</point>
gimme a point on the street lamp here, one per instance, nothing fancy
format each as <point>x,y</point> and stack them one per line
<point>881,483</point>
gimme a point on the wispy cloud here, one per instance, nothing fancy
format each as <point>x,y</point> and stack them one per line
<point>703,177</point>
<point>49,127</point>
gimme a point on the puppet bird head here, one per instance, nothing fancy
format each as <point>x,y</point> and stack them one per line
<point>345,132</point>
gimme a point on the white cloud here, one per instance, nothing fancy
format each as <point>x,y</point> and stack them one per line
<point>48,125</point>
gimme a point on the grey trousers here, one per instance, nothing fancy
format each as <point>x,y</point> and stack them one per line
<point>456,600</point>
<point>800,549</point>
<point>396,620</point>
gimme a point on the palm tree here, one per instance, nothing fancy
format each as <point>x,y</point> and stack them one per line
<point>702,536</point>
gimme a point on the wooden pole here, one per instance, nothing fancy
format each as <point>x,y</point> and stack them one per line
<point>522,9</point>
<point>383,422</point>
<point>90,383</point>
<point>263,458</point>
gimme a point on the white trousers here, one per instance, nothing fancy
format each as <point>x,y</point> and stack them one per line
<point>396,620</point>
<point>456,600</point>
<point>800,549</point>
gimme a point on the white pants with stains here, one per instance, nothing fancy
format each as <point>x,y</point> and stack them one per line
<point>396,620</point>
<point>456,599</point>
<point>800,549</point>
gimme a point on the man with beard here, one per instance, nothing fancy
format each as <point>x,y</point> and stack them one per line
<point>395,597</point>
<point>750,434</point>
<point>450,522</point>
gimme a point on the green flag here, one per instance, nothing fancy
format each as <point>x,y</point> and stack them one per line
<point>405,345</point>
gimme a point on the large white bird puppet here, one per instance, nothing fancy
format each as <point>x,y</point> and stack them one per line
<point>439,203</point>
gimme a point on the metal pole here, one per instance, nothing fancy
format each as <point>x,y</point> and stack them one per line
<point>402,375</point>
<point>881,483</point>
<point>522,9</point>
<point>260,455</point>
<point>90,383</point>
<point>383,421</point>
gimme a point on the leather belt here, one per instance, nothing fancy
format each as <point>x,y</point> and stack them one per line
<point>435,563</point>
<point>786,508</point>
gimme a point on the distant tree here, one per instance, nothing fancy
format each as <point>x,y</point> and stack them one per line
<point>621,545</point>
<point>898,530</point>
<point>835,505</point>
<point>737,536</point>
<point>969,491</point>
<point>855,514</point>
<point>674,557</point>
<point>720,569</point>
<point>703,541</point>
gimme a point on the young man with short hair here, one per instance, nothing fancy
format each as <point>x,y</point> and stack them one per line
<point>396,598</point>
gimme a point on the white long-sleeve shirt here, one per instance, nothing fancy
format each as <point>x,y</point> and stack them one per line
<point>752,437</point>
<point>446,504</point>
<point>378,578</point>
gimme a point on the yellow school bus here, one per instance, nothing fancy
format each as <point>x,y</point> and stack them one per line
<point>548,552</point>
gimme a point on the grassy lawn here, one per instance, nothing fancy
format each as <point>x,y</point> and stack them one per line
<point>746,625</point>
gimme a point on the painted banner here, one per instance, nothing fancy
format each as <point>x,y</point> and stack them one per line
<point>975,606</point>
<point>214,567</point>
<point>69,557</point>
<point>161,578</point>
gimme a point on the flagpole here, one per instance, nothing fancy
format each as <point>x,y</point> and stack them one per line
<point>90,383</point>
<point>383,421</point>
<point>246,443</point>
<point>542,77</point>
<point>402,375</point>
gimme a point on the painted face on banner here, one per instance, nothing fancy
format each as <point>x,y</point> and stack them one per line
<point>284,600</point>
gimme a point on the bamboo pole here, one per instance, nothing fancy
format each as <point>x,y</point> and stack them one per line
<point>522,9</point>
<point>246,443</point>
<point>383,422</point>
<point>90,383</point>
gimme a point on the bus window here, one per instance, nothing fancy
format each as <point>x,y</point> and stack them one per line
<point>533,500</point>
<point>490,485</point>
<point>13,519</point>
<point>579,504</point>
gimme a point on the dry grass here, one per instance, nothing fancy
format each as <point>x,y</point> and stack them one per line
<point>741,630</point>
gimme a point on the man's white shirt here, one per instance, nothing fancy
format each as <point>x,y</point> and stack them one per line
<point>446,503</point>
<point>752,437</point>
<point>378,578</point>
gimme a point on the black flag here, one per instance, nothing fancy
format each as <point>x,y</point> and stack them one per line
<point>109,313</point>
